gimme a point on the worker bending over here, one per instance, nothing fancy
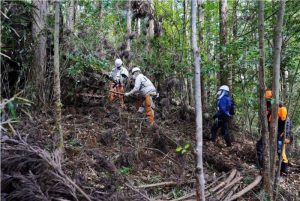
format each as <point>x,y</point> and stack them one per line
<point>144,87</point>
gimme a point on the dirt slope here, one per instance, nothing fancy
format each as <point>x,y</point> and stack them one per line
<point>107,149</point>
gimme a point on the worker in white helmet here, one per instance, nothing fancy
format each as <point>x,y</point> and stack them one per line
<point>225,107</point>
<point>118,76</point>
<point>143,86</point>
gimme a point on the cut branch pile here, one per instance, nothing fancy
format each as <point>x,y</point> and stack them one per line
<point>223,188</point>
<point>31,173</point>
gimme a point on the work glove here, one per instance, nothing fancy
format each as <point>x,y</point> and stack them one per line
<point>126,94</point>
<point>108,77</point>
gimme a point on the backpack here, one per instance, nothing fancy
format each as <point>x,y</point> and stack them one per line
<point>232,107</point>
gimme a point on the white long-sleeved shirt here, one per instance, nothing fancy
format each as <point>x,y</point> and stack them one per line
<point>142,85</point>
<point>116,74</point>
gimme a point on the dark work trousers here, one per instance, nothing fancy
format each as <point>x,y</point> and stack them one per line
<point>222,123</point>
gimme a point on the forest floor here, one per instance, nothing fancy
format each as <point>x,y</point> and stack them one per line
<point>115,155</point>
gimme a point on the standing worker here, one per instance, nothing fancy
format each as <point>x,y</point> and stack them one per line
<point>284,134</point>
<point>223,115</point>
<point>118,76</point>
<point>268,97</point>
<point>143,86</point>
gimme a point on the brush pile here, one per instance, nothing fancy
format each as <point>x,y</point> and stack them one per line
<point>31,173</point>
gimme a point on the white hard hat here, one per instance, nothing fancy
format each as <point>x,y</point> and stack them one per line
<point>224,87</point>
<point>118,63</point>
<point>135,69</point>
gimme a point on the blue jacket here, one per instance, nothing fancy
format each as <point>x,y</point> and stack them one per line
<point>224,104</point>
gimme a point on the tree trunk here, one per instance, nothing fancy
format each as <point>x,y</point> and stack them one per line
<point>189,80</point>
<point>210,49</point>
<point>201,25</point>
<point>185,43</point>
<point>235,19</point>
<point>235,54</point>
<point>198,105</point>
<point>56,84</point>
<point>38,70</point>
<point>99,9</point>
<point>128,26</point>
<point>223,75</point>
<point>276,85</point>
<point>151,22</point>
<point>71,16</point>
<point>138,26</point>
<point>262,110</point>
<point>191,91</point>
<point>285,87</point>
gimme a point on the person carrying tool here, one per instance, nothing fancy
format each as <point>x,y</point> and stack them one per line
<point>223,115</point>
<point>118,76</point>
<point>143,86</point>
<point>284,137</point>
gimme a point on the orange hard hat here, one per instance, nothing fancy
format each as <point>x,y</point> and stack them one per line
<point>282,113</point>
<point>268,94</point>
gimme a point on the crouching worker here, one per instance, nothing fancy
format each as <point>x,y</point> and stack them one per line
<point>284,138</point>
<point>223,115</point>
<point>144,87</point>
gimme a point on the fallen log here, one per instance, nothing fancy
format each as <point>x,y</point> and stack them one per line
<point>167,183</point>
<point>230,193</point>
<point>228,187</point>
<point>231,176</point>
<point>137,191</point>
<point>246,189</point>
<point>90,95</point>
<point>222,191</point>
<point>215,181</point>
<point>217,187</point>
<point>185,196</point>
<point>238,175</point>
<point>227,181</point>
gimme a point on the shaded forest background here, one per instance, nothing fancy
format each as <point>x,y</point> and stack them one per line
<point>99,35</point>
